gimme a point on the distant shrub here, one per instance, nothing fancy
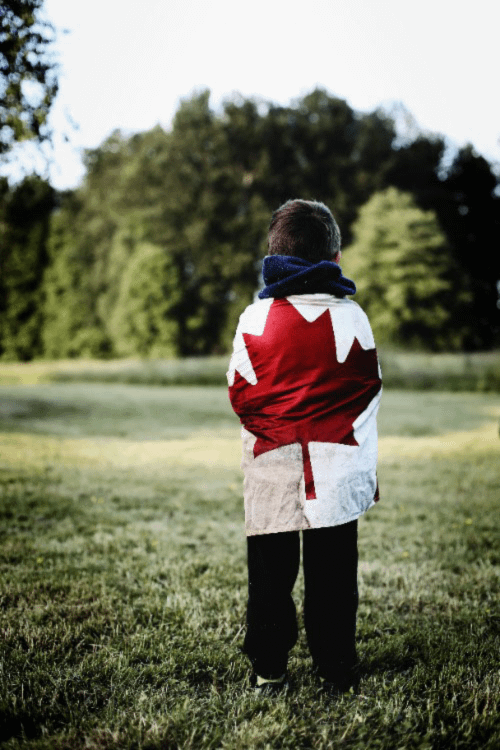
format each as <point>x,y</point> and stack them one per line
<point>189,371</point>
<point>441,372</point>
<point>478,372</point>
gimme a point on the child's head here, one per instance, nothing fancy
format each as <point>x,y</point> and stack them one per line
<point>304,229</point>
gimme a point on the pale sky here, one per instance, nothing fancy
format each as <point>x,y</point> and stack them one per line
<point>126,64</point>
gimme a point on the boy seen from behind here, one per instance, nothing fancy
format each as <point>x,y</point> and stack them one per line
<point>305,381</point>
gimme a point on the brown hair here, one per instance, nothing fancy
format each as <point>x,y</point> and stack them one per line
<point>304,229</point>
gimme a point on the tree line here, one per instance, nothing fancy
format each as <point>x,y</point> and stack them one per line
<point>158,251</point>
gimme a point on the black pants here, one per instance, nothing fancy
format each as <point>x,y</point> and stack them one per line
<point>330,559</point>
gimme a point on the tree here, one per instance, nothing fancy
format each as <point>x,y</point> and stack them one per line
<point>414,167</point>
<point>142,321</point>
<point>72,326</point>
<point>470,215</point>
<point>28,72</point>
<point>321,148</point>
<point>211,225</point>
<point>407,280</point>
<point>93,235</point>
<point>24,227</point>
<point>467,206</point>
<point>192,205</point>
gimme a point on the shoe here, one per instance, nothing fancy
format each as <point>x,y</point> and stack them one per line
<point>345,681</point>
<point>267,685</point>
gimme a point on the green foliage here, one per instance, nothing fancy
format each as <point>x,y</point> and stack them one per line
<point>467,205</point>
<point>94,235</point>
<point>182,193</point>
<point>203,193</point>
<point>194,204</point>
<point>24,225</point>
<point>407,281</point>
<point>211,225</point>
<point>317,148</point>
<point>470,216</point>
<point>71,325</point>
<point>415,166</point>
<point>142,321</point>
<point>28,72</point>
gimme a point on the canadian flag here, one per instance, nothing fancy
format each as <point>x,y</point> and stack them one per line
<point>304,372</point>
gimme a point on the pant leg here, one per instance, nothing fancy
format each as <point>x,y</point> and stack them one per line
<point>331,597</point>
<point>273,565</point>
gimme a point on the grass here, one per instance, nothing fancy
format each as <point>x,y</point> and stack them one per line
<point>122,566</point>
<point>479,372</point>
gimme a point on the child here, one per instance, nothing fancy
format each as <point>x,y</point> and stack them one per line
<point>305,381</point>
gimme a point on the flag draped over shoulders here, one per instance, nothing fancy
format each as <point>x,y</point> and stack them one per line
<point>305,381</point>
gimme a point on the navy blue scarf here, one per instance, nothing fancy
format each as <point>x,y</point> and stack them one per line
<point>285,275</point>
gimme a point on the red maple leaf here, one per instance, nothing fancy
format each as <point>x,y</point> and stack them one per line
<point>303,393</point>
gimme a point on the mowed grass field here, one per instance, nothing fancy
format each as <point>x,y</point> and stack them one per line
<point>123,581</point>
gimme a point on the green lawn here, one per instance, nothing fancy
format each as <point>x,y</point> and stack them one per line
<point>122,565</point>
